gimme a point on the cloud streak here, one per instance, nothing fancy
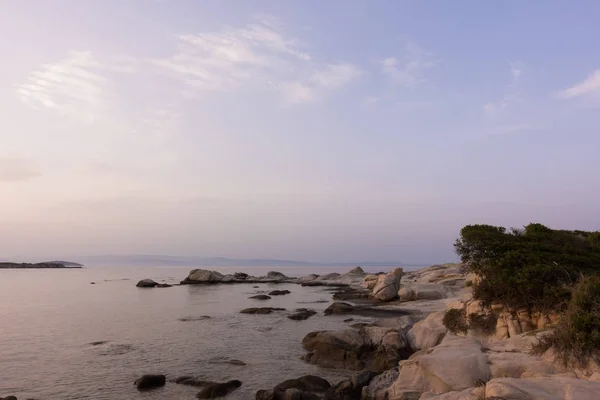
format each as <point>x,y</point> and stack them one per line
<point>408,71</point>
<point>590,85</point>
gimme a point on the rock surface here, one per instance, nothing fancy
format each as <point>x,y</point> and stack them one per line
<point>146,382</point>
<point>275,275</point>
<point>338,308</point>
<point>279,292</point>
<point>260,297</point>
<point>301,314</point>
<point>424,291</point>
<point>543,388</point>
<point>204,276</point>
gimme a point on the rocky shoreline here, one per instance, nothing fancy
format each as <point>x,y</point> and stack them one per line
<point>409,353</point>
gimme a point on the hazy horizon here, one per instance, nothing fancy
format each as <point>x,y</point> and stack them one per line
<point>313,131</point>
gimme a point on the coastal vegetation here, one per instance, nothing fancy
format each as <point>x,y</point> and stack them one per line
<point>540,270</point>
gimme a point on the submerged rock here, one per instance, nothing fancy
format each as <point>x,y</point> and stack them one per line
<point>261,310</point>
<point>279,292</point>
<point>303,388</point>
<point>338,308</point>
<point>200,318</point>
<point>215,390</point>
<point>150,382</point>
<point>260,297</point>
<point>192,381</point>
<point>302,314</point>
<point>146,283</point>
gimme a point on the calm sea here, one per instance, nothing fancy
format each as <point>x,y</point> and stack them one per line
<point>49,319</point>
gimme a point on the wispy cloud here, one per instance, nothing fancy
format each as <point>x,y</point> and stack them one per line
<point>14,169</point>
<point>499,109</point>
<point>408,70</point>
<point>255,57</point>
<point>590,85</point>
<point>71,87</point>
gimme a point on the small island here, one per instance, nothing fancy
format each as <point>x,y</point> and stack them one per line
<point>45,265</point>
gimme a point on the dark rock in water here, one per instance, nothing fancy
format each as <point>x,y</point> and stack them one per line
<point>350,389</point>
<point>279,292</point>
<point>218,389</point>
<point>164,285</point>
<point>276,275</point>
<point>240,275</point>
<point>223,360</point>
<point>301,314</point>
<point>338,308</point>
<point>261,310</point>
<point>191,381</point>
<point>92,283</point>
<point>349,320</point>
<point>296,394</point>
<point>353,294</point>
<point>200,318</point>
<point>8,398</point>
<point>150,382</point>
<point>146,283</point>
<point>255,287</point>
<point>314,302</point>
<point>98,343</point>
<point>306,383</point>
<point>260,297</point>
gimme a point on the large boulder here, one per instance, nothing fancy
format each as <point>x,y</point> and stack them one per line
<point>356,271</point>
<point>424,291</point>
<point>388,285</point>
<point>204,276</point>
<point>427,333</point>
<point>456,364</point>
<point>146,283</point>
<point>275,275</point>
<point>218,389</point>
<point>374,348</point>
<point>146,382</point>
<point>543,388</point>
<point>350,389</point>
<point>369,281</point>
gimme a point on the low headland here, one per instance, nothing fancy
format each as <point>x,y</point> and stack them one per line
<point>44,265</point>
<point>518,318</point>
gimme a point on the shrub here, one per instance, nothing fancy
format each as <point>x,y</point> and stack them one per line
<point>481,323</point>
<point>455,320</point>
<point>577,337</point>
<point>469,283</point>
<point>532,268</point>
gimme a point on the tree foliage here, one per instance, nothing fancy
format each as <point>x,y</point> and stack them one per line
<point>532,267</point>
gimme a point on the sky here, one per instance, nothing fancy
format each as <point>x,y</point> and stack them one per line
<point>310,130</point>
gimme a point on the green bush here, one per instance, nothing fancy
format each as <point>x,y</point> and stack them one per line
<point>455,320</point>
<point>531,268</point>
<point>481,323</point>
<point>577,337</point>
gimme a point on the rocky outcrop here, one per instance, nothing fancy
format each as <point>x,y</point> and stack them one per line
<point>147,382</point>
<point>240,275</point>
<point>203,276</point>
<point>369,281</point>
<point>216,390</point>
<point>146,283</point>
<point>301,314</point>
<point>371,347</point>
<point>261,310</point>
<point>547,388</point>
<point>387,285</point>
<point>350,389</point>
<point>274,275</point>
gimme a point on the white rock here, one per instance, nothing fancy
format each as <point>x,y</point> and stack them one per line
<point>428,332</point>
<point>423,291</point>
<point>388,285</point>
<point>546,388</point>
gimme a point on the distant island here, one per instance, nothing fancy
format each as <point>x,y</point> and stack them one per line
<point>45,265</point>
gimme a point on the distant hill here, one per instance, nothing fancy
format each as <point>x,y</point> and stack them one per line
<point>42,265</point>
<point>192,261</point>
<point>68,264</point>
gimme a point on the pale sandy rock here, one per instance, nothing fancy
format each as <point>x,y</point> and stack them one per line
<point>476,393</point>
<point>474,307</point>
<point>547,388</point>
<point>204,275</point>
<point>378,387</point>
<point>329,277</point>
<point>428,332</point>
<point>369,281</point>
<point>501,328</point>
<point>455,365</point>
<point>514,365</point>
<point>514,328</point>
<point>388,285</point>
<point>423,291</point>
